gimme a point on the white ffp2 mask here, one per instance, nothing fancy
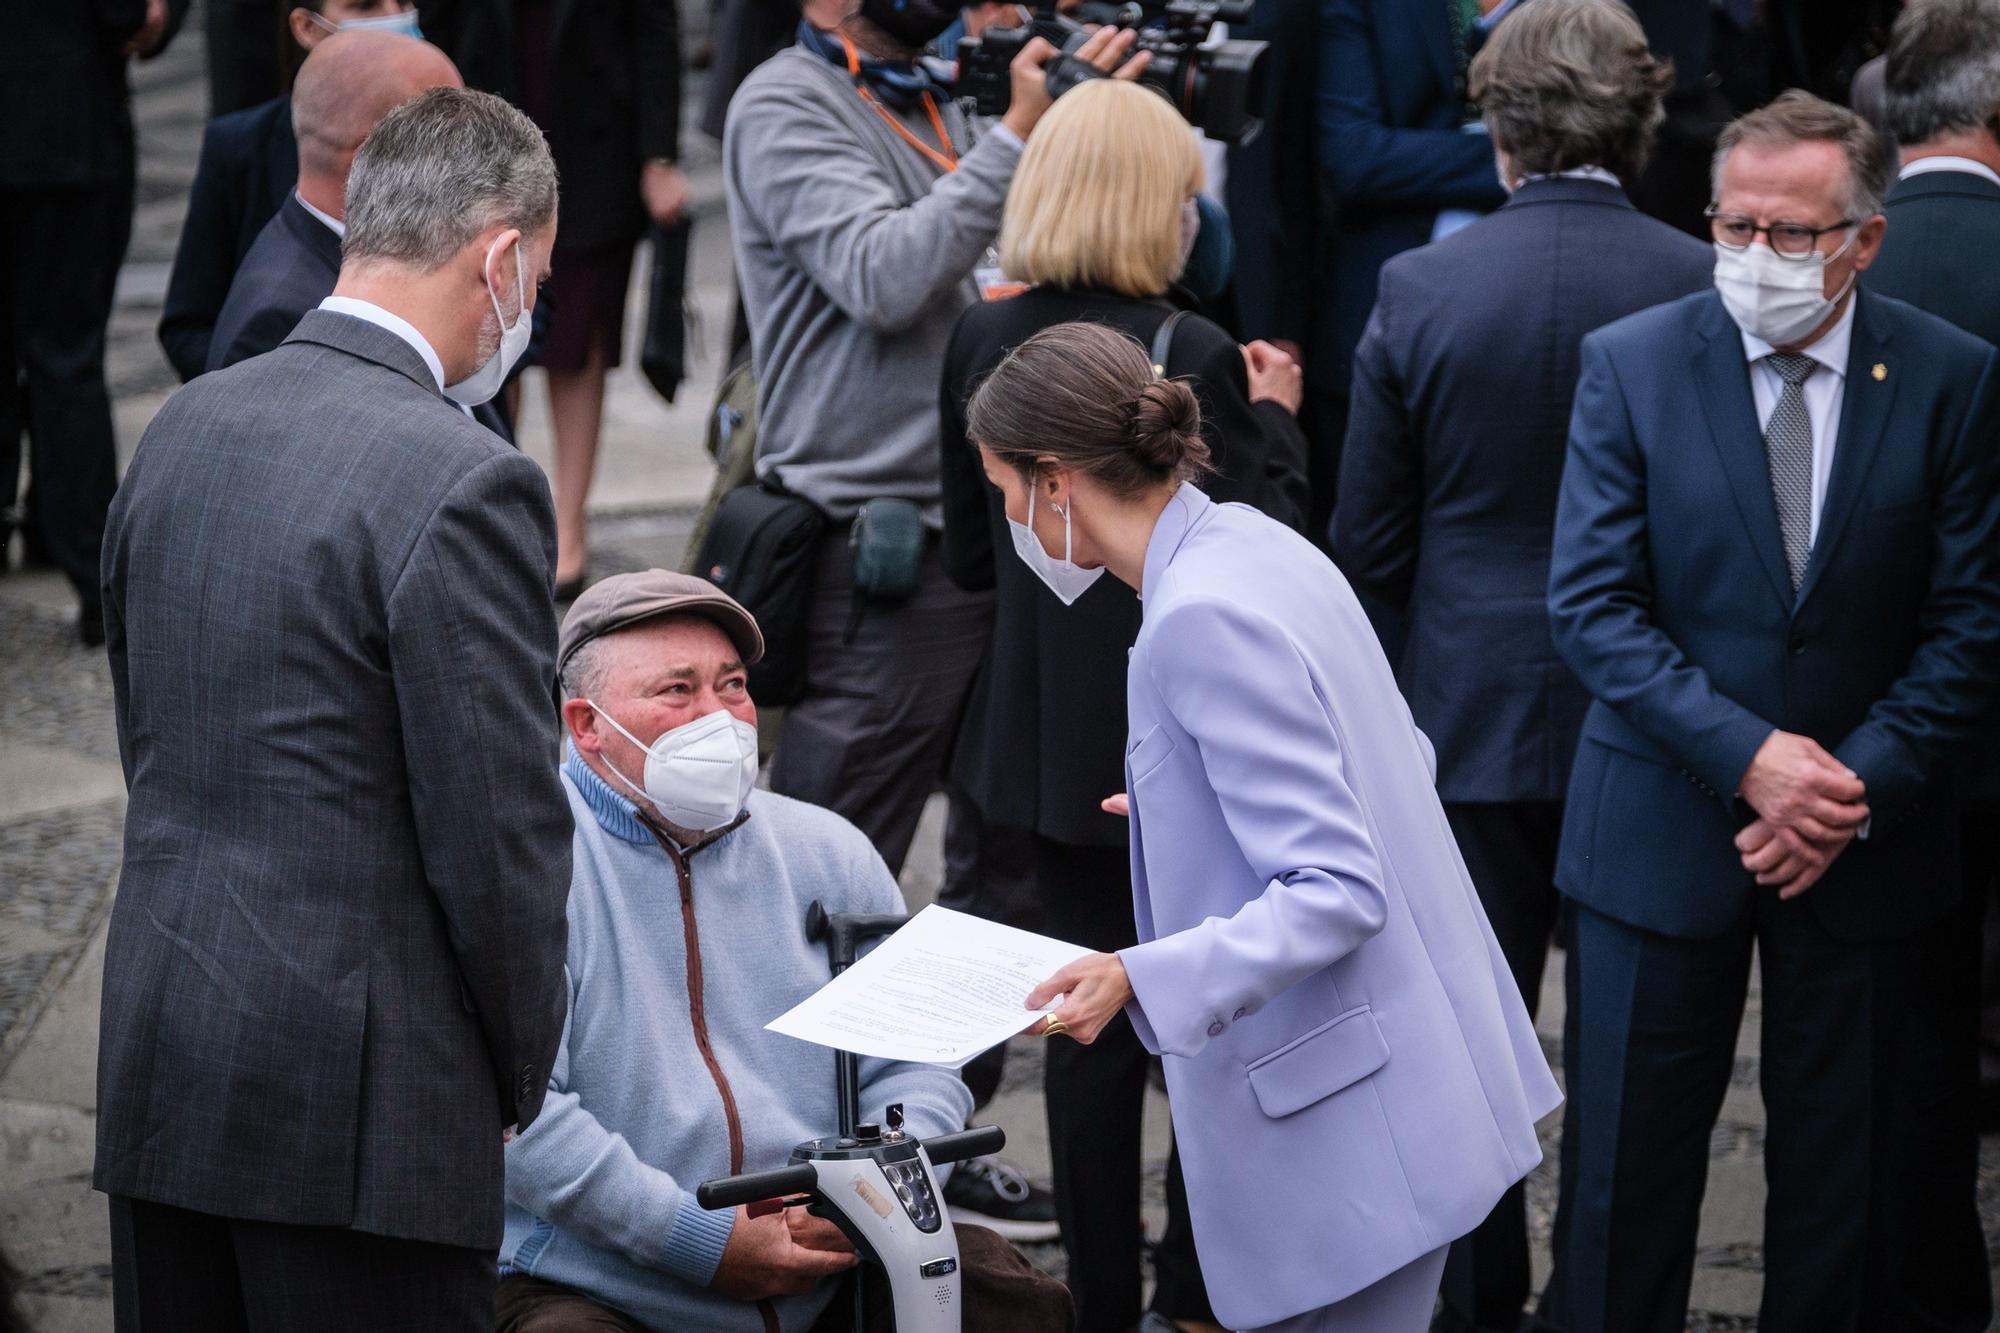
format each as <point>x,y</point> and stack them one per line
<point>1066,579</point>
<point>480,386</point>
<point>699,775</point>
<point>1776,299</point>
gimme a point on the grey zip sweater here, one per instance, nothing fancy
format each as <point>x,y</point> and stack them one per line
<point>855,253</point>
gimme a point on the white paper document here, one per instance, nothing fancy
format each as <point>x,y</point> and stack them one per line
<point>940,990</point>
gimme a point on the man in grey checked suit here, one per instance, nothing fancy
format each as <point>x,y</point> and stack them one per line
<point>334,978</point>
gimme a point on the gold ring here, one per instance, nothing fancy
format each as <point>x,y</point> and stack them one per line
<point>1056,1027</point>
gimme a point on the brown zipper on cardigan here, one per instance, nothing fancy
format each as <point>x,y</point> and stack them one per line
<point>698,1012</point>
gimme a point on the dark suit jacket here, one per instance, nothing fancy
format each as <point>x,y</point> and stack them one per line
<point>1044,730</point>
<point>1939,225</point>
<point>1274,203</point>
<point>1454,455</point>
<point>249,166</point>
<point>1391,108</point>
<point>290,269</point>
<point>1670,600</point>
<point>618,97</point>
<point>335,963</point>
<point>65,109</point>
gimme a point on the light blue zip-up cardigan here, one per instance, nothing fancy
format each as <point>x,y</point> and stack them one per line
<point>600,1187</point>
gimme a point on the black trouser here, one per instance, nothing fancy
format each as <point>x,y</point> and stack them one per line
<point>59,254</point>
<point>882,702</point>
<point>1649,1055</point>
<point>1096,1101</point>
<point>989,872</point>
<point>1945,1285</point>
<point>173,1270</point>
<point>1510,851</point>
<point>1323,418</point>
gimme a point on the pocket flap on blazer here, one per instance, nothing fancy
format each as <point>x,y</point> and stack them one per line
<point>1146,755</point>
<point>1311,1068</point>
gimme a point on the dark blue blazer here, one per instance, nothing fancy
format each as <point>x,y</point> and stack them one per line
<point>249,165</point>
<point>1454,455</point>
<point>1669,599</point>
<point>290,269</point>
<point>1942,225</point>
<point>1392,153</point>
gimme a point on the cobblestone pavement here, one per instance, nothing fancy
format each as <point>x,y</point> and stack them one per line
<point>61,801</point>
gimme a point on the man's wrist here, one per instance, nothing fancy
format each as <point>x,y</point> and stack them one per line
<point>1008,131</point>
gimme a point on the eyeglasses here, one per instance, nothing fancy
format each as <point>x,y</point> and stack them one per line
<point>1791,240</point>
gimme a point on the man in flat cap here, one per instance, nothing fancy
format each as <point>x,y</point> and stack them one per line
<point>687,935</point>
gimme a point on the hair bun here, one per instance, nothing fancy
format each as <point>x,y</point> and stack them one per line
<point>1166,426</point>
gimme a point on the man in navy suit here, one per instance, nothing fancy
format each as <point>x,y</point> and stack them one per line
<point>1940,96</point>
<point>348,83</point>
<point>249,162</point>
<point>1399,144</point>
<point>1454,455</point>
<point>1775,571</point>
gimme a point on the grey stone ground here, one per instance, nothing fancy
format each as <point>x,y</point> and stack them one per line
<point>61,800</point>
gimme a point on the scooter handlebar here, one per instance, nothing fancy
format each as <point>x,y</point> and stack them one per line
<point>980,1142</point>
<point>756,1186</point>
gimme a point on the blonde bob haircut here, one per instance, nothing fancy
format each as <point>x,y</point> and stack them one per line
<point>1096,200</point>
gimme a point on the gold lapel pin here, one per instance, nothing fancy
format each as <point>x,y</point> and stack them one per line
<point>1881,372</point>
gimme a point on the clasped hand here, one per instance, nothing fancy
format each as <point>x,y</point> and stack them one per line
<point>1809,806</point>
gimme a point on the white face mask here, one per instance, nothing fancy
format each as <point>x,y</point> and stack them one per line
<point>1190,230</point>
<point>1067,580</point>
<point>699,775</point>
<point>483,383</point>
<point>405,23</point>
<point>1776,299</point>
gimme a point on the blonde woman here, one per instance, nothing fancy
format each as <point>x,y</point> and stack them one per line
<point>1098,221</point>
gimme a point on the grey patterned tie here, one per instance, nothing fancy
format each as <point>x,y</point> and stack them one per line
<point>1788,446</point>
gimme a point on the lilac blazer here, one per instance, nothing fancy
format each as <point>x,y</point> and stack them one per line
<point>1354,1080</point>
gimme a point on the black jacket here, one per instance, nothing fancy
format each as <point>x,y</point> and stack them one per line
<point>65,109</point>
<point>1043,739</point>
<point>1454,458</point>
<point>249,165</point>
<point>618,97</point>
<point>1930,259</point>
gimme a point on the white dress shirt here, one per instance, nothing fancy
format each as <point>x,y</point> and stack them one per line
<point>333,224</point>
<point>1925,165</point>
<point>396,324</point>
<point>1822,391</point>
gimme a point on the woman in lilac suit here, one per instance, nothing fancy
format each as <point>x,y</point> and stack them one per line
<point>1354,1079</point>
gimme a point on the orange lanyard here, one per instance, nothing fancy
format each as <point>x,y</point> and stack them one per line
<point>948,159</point>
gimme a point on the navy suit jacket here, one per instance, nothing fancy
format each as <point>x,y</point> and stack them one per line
<point>1393,151</point>
<point>1454,455</point>
<point>1669,598</point>
<point>249,165</point>
<point>290,269</point>
<point>1274,207</point>
<point>1939,225</point>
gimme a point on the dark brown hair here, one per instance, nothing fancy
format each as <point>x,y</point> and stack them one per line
<point>1090,398</point>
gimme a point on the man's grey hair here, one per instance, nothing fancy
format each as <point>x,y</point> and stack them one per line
<point>1570,83</point>
<point>439,170</point>
<point>1942,75</point>
<point>1799,117</point>
<point>583,674</point>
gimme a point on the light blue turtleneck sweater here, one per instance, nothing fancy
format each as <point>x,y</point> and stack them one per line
<point>600,1187</point>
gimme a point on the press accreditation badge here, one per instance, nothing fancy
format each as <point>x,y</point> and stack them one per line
<point>994,284</point>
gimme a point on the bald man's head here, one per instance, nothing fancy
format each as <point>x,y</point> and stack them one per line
<point>348,83</point>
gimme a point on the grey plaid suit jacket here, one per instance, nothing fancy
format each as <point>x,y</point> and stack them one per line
<point>335,961</point>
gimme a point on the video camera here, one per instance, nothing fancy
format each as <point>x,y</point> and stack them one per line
<point>1219,88</point>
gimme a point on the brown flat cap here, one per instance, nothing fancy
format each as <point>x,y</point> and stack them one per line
<point>624,600</point>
